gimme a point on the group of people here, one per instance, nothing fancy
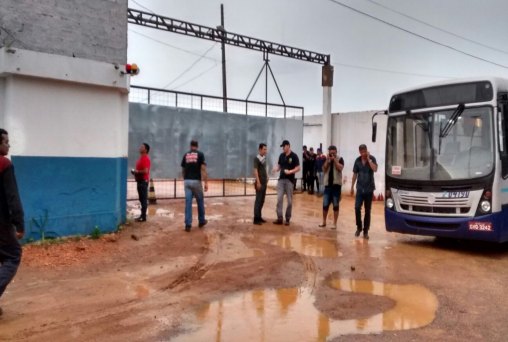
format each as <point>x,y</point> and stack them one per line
<point>330,179</point>
<point>329,174</point>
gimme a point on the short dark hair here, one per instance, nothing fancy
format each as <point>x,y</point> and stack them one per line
<point>2,132</point>
<point>147,147</point>
<point>261,145</point>
<point>304,146</point>
<point>362,147</point>
<point>332,148</point>
<point>194,143</point>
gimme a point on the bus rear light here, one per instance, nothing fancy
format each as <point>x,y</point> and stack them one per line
<point>487,194</point>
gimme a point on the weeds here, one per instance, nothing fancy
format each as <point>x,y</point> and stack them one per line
<point>96,233</point>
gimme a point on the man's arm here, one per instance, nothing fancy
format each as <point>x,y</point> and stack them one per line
<point>372,163</point>
<point>353,181</point>
<point>204,176</point>
<point>13,201</point>
<point>256,175</point>
<point>338,165</point>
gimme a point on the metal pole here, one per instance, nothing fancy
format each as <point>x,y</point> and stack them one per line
<point>174,188</point>
<point>148,96</point>
<point>224,87</point>
<point>266,85</point>
<point>223,187</point>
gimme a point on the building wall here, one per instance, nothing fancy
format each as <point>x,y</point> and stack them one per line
<point>229,141</point>
<point>349,130</point>
<point>92,29</point>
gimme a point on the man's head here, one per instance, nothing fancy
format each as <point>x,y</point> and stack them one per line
<point>286,146</point>
<point>262,149</point>
<point>194,145</point>
<point>144,148</point>
<point>4,142</point>
<point>363,150</point>
<point>304,148</point>
<point>332,151</point>
<point>311,150</point>
<point>318,151</point>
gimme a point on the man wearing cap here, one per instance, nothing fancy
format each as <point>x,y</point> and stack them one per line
<point>194,171</point>
<point>332,169</point>
<point>288,165</point>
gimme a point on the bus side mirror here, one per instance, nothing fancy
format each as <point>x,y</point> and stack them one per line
<point>374,131</point>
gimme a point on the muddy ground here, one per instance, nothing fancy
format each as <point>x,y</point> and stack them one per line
<point>234,281</point>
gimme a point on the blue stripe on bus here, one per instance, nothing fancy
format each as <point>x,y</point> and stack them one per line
<point>504,189</point>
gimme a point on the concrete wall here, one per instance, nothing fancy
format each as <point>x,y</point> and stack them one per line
<point>349,130</point>
<point>229,141</point>
<point>91,29</point>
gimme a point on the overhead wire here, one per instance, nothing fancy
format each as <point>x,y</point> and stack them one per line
<point>437,28</point>
<point>418,35</point>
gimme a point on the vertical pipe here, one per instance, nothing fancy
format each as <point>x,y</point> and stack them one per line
<point>223,187</point>
<point>327,83</point>
<point>224,86</point>
<point>266,85</point>
<point>148,96</point>
<point>174,188</point>
<point>176,99</point>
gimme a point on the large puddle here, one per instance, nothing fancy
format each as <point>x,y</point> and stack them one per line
<point>305,244</point>
<point>289,314</point>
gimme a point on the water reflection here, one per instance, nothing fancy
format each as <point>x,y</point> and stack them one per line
<point>307,244</point>
<point>289,314</point>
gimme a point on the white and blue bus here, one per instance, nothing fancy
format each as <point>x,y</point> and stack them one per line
<point>447,160</point>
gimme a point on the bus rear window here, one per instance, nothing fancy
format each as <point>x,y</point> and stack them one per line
<point>442,96</point>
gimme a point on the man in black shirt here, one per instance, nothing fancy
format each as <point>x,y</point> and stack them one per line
<point>12,223</point>
<point>261,182</point>
<point>194,170</point>
<point>363,171</point>
<point>288,165</point>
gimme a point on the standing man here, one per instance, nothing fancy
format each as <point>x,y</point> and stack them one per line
<point>332,168</point>
<point>261,182</point>
<point>12,225</point>
<point>320,160</point>
<point>305,162</point>
<point>194,171</point>
<point>310,171</point>
<point>142,176</point>
<point>363,171</point>
<point>288,165</point>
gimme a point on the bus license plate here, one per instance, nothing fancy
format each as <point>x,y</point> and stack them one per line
<point>456,194</point>
<point>480,226</point>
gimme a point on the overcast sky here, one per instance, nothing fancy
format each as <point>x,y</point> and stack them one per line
<point>371,59</point>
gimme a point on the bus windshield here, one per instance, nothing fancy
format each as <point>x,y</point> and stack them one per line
<point>441,145</point>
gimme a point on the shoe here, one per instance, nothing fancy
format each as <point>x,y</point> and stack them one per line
<point>277,222</point>
<point>366,236</point>
<point>202,224</point>
<point>358,231</point>
<point>286,223</point>
<point>322,225</point>
<point>187,229</point>
<point>258,222</point>
<point>262,220</point>
<point>334,226</point>
<point>140,219</point>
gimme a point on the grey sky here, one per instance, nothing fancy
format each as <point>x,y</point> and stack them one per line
<point>323,26</point>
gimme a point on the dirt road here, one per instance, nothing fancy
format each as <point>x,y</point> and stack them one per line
<point>233,281</point>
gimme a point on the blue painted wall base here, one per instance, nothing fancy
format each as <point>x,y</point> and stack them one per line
<point>65,196</point>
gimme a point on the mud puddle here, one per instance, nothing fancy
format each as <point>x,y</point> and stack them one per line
<point>289,314</point>
<point>305,244</point>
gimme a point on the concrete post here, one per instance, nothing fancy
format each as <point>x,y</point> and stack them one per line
<point>327,83</point>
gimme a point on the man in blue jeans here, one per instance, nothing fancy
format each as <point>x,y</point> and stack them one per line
<point>363,171</point>
<point>194,171</point>
<point>12,224</point>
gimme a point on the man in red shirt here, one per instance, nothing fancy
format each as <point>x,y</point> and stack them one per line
<point>142,175</point>
<point>12,224</point>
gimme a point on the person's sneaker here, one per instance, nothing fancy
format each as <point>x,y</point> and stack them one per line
<point>262,220</point>
<point>286,223</point>
<point>334,226</point>
<point>258,222</point>
<point>187,228</point>
<point>277,222</point>
<point>366,236</point>
<point>358,231</point>
<point>140,219</point>
<point>202,224</point>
